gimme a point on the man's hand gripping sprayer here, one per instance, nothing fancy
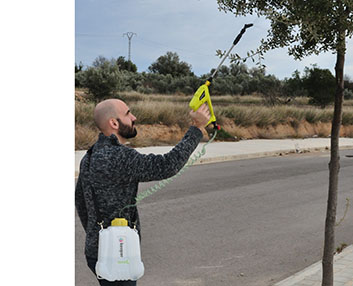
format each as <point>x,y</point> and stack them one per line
<point>201,96</point>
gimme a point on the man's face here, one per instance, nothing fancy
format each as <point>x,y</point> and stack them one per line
<point>127,123</point>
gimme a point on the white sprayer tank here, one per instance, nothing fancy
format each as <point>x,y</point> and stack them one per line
<point>119,254</point>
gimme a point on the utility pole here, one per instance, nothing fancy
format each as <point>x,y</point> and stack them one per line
<point>129,35</point>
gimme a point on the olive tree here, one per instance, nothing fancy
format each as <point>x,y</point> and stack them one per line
<point>320,85</point>
<point>170,64</point>
<point>126,65</point>
<point>306,28</point>
<point>103,78</point>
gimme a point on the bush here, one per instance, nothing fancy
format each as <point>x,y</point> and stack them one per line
<point>347,118</point>
<point>320,85</point>
<point>145,90</point>
<point>185,84</point>
<point>131,81</point>
<point>126,65</point>
<point>80,79</point>
<point>347,94</point>
<point>170,64</point>
<point>224,136</point>
<point>294,87</point>
<point>103,79</point>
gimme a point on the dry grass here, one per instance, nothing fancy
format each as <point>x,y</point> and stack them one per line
<point>164,112</point>
<point>84,113</point>
<point>262,116</point>
<point>162,119</point>
<point>85,131</point>
<point>169,113</point>
<point>254,99</point>
<point>85,136</point>
<point>132,97</point>
<point>282,131</point>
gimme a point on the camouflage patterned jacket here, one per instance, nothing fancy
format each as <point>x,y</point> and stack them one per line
<point>112,171</point>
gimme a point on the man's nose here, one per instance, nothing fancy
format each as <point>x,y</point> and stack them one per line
<point>133,118</point>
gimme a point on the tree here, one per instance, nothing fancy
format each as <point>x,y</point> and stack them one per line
<point>101,61</point>
<point>305,28</point>
<point>78,67</point>
<point>294,86</point>
<point>236,70</point>
<point>79,75</point>
<point>271,89</point>
<point>223,71</point>
<point>170,64</point>
<point>103,79</point>
<point>126,65</point>
<point>348,83</point>
<point>320,85</point>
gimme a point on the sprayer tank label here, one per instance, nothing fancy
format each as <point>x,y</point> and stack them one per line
<point>122,246</point>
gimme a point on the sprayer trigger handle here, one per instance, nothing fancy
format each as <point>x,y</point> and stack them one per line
<point>216,126</point>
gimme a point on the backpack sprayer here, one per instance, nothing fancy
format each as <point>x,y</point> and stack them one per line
<point>119,256</point>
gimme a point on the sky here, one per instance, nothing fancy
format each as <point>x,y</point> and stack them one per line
<point>194,29</point>
<point>37,90</point>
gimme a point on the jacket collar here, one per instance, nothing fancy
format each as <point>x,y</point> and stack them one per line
<point>112,139</point>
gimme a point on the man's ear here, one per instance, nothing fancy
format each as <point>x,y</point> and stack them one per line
<point>113,123</point>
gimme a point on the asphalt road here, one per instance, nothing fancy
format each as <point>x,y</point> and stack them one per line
<point>249,222</point>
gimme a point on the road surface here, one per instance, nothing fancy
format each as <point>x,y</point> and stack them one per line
<point>249,222</point>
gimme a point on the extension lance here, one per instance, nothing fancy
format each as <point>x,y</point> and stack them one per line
<point>202,94</point>
<point>200,97</point>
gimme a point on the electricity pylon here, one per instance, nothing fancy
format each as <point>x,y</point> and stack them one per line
<point>129,35</point>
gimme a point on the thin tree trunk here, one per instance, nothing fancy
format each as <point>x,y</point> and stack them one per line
<point>334,166</point>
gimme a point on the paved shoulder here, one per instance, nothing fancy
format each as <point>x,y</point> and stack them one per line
<point>312,275</point>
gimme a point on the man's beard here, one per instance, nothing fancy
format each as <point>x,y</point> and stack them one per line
<point>126,131</point>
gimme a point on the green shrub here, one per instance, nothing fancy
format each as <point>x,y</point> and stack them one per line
<point>311,116</point>
<point>320,85</point>
<point>170,64</point>
<point>126,65</point>
<point>325,116</point>
<point>224,135</point>
<point>347,94</point>
<point>103,79</point>
<point>347,118</point>
<point>80,79</point>
<point>294,87</point>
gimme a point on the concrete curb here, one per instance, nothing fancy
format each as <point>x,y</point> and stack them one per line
<point>264,154</point>
<point>312,275</point>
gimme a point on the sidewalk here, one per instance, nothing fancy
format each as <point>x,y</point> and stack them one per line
<point>245,149</point>
<point>312,276</point>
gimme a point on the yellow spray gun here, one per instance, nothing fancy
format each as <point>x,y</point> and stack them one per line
<point>202,94</point>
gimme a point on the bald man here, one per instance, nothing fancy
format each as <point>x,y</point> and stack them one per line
<point>110,172</point>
